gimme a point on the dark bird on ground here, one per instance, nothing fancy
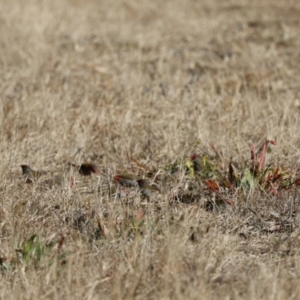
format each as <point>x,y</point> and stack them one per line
<point>196,159</point>
<point>87,169</point>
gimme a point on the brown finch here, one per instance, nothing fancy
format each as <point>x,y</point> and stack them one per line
<point>147,190</point>
<point>87,169</point>
<point>30,174</point>
<point>127,180</point>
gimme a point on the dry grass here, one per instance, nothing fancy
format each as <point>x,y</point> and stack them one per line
<point>109,81</point>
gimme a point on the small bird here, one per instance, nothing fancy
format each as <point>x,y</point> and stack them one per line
<point>30,174</point>
<point>147,190</point>
<point>127,180</point>
<point>196,159</point>
<point>87,169</point>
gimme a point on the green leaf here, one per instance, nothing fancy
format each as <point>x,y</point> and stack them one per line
<point>248,180</point>
<point>190,168</point>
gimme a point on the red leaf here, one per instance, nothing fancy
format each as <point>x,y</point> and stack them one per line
<point>262,153</point>
<point>212,184</point>
<point>262,156</point>
<point>215,187</point>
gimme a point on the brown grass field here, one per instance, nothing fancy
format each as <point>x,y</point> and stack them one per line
<point>134,86</point>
